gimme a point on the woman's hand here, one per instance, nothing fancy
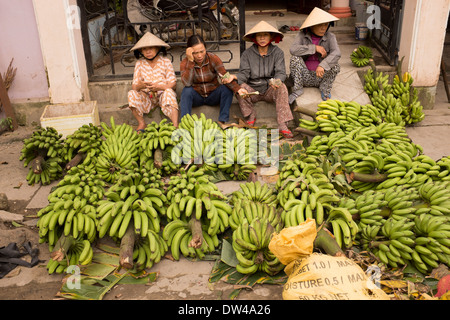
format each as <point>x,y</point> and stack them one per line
<point>321,50</point>
<point>242,92</point>
<point>229,79</point>
<point>189,54</point>
<point>320,72</point>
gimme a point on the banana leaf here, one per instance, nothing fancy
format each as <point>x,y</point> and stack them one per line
<point>225,270</point>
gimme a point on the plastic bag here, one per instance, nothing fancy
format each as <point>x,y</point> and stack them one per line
<point>315,276</point>
<point>294,242</point>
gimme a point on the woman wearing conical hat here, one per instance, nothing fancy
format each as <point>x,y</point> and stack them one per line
<point>262,69</point>
<point>154,81</point>
<point>315,55</point>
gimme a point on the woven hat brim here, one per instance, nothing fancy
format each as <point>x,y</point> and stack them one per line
<point>149,40</point>
<point>262,26</point>
<point>318,16</point>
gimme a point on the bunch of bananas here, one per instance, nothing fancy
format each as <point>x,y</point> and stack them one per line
<point>86,140</point>
<point>340,222</point>
<point>80,253</point>
<point>131,200</point>
<point>119,151</point>
<point>432,242</point>
<point>201,142</point>
<point>335,115</point>
<point>361,56</point>
<point>250,209</point>
<point>158,136</point>
<point>192,195</point>
<point>436,197</point>
<point>251,245</point>
<point>255,191</point>
<point>179,236</point>
<point>376,82</point>
<point>444,169</point>
<point>72,207</point>
<point>239,156</point>
<point>44,151</point>
<point>148,250</point>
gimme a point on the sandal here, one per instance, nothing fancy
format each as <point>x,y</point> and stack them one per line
<point>287,134</point>
<point>324,97</point>
<point>140,131</point>
<point>251,123</point>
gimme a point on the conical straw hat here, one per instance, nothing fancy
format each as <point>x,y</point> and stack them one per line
<point>149,40</point>
<point>318,16</point>
<point>262,26</point>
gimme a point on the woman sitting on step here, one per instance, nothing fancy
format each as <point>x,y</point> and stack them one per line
<point>315,55</point>
<point>154,81</point>
<point>262,73</point>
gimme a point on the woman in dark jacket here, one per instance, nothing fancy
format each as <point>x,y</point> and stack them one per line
<point>315,55</point>
<point>262,73</point>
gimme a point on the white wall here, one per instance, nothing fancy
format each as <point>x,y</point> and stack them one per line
<point>20,40</point>
<point>62,50</point>
<point>422,39</point>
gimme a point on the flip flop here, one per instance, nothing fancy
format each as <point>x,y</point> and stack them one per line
<point>324,97</point>
<point>287,134</point>
<point>251,123</point>
<point>140,130</point>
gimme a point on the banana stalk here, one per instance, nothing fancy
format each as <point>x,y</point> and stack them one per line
<point>127,247</point>
<point>197,235</point>
<point>326,241</point>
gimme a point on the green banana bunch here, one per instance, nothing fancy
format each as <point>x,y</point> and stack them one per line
<point>255,191</point>
<point>368,207</point>
<point>192,195</point>
<point>119,151</point>
<point>44,151</point>
<point>87,140</point>
<point>340,222</point>
<point>394,244</point>
<point>132,199</point>
<point>179,235</point>
<point>239,154</point>
<point>432,242</point>
<point>444,169</point>
<point>436,196</point>
<point>361,56</point>
<point>250,209</point>
<point>378,82</point>
<point>158,136</point>
<point>201,142</point>
<point>251,245</point>
<point>148,250</point>
<point>80,253</point>
<point>72,206</point>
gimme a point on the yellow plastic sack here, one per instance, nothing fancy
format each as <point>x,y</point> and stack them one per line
<point>294,242</point>
<point>324,277</point>
<point>315,276</point>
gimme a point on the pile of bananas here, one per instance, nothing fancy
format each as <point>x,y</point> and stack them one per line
<point>119,151</point>
<point>179,237</point>
<point>335,115</point>
<point>80,253</point>
<point>239,153</point>
<point>250,209</point>
<point>86,140</point>
<point>361,56</point>
<point>200,141</point>
<point>72,207</point>
<point>44,151</point>
<point>251,244</point>
<point>158,136</point>
<point>399,101</point>
<point>148,250</point>
<point>435,196</point>
<point>131,200</point>
<point>422,241</point>
<point>192,195</point>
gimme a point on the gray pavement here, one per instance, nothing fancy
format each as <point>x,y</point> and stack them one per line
<point>177,280</point>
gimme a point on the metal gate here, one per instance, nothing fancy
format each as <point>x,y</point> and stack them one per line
<point>111,27</point>
<point>386,38</point>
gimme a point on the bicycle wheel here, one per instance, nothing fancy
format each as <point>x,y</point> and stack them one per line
<point>209,32</point>
<point>120,35</point>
